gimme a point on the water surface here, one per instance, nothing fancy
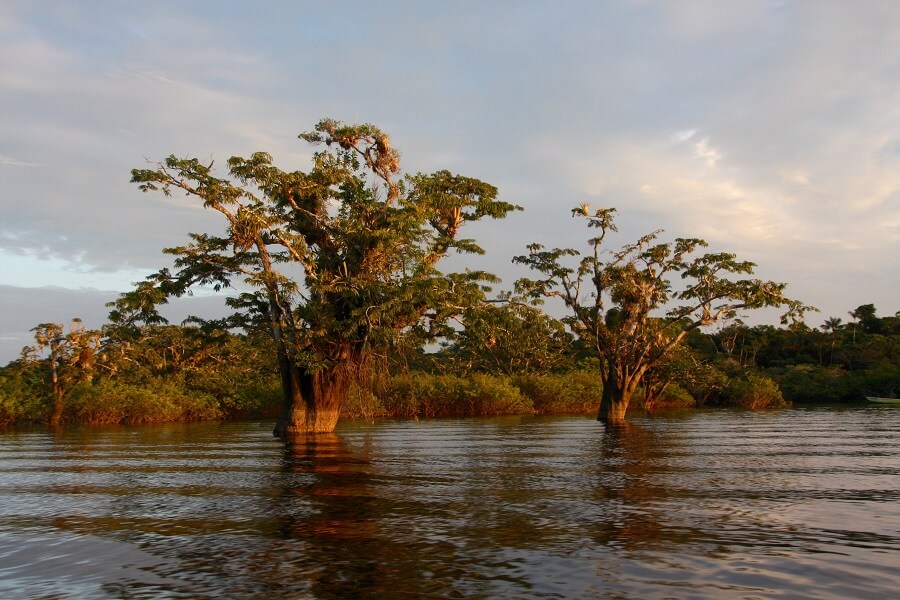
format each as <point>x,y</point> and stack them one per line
<point>792,504</point>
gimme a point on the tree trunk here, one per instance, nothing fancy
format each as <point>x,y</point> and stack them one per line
<point>613,405</point>
<point>56,389</point>
<point>56,417</point>
<point>616,397</point>
<point>313,401</point>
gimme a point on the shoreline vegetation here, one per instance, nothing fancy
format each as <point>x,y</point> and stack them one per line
<point>408,396</point>
<point>505,363</point>
<point>183,373</point>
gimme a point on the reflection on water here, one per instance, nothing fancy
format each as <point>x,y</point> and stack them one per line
<point>709,505</point>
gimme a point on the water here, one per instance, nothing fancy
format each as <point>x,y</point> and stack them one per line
<point>789,504</point>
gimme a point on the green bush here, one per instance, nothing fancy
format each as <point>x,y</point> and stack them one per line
<point>160,401</point>
<point>21,400</point>
<point>256,398</point>
<point>490,395</point>
<point>426,395</point>
<point>561,393</point>
<point>10,408</point>
<point>673,397</point>
<point>363,403</point>
<point>812,383</point>
<point>754,392</point>
<point>238,394</point>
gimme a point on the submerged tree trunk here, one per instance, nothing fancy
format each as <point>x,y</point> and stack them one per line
<point>617,393</point>
<point>313,401</point>
<point>613,405</point>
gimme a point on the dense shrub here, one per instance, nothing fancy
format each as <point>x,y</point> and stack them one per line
<point>363,403</point>
<point>426,395</point>
<point>753,392</point>
<point>561,393</point>
<point>159,402</point>
<point>239,394</point>
<point>812,383</point>
<point>262,398</point>
<point>21,400</point>
<point>673,397</point>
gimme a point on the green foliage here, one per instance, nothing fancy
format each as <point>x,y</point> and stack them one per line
<point>507,339</point>
<point>754,392</point>
<point>705,383</point>
<point>676,396</point>
<point>423,395</point>
<point>24,393</point>
<point>160,373</point>
<point>363,403</point>
<point>672,397</point>
<point>157,402</point>
<point>70,359</point>
<point>418,394</point>
<point>19,401</point>
<point>814,383</point>
<point>166,373</point>
<point>572,392</point>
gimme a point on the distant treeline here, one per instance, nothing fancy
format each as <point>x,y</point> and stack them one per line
<point>506,361</point>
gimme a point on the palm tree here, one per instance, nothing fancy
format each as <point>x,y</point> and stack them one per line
<point>833,324</point>
<point>856,317</point>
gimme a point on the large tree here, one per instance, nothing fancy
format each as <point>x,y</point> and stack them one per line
<point>629,308</point>
<point>336,261</point>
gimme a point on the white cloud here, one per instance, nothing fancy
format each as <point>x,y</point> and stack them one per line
<point>8,161</point>
<point>707,152</point>
<point>683,135</point>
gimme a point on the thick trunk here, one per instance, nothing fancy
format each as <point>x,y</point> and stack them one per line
<point>312,401</point>
<point>616,396</point>
<point>613,405</point>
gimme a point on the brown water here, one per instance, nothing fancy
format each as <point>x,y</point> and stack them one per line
<point>790,504</point>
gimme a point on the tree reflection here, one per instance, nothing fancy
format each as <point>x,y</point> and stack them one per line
<point>631,488</point>
<point>338,535</point>
<point>357,536</point>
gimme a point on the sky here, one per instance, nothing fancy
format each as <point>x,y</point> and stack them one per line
<point>769,129</point>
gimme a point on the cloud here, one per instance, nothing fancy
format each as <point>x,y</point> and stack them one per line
<point>683,135</point>
<point>707,152</point>
<point>7,161</point>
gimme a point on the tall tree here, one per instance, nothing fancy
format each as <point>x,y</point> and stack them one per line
<point>831,325</point>
<point>339,260</point>
<point>626,307</point>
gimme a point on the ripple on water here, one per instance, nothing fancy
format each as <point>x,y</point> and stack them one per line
<point>715,505</point>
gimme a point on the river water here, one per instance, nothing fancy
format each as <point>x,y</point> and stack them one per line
<point>789,504</point>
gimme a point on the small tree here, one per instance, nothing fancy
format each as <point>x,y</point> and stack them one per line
<point>626,307</point>
<point>682,367</point>
<point>70,358</point>
<point>340,259</point>
<point>508,339</point>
